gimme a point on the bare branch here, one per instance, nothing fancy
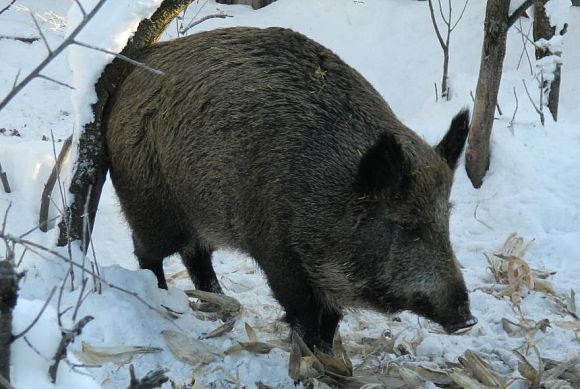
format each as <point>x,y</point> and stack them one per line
<point>439,37</point>
<point>511,123</point>
<point>520,11</point>
<point>81,8</point>
<point>4,179</point>
<point>80,300</point>
<point>40,32</point>
<point>525,47</point>
<point>460,16</point>
<point>16,78</point>
<point>38,248</point>
<point>121,56</point>
<point>5,220</point>
<point>441,12</point>
<point>7,7</point>
<point>196,22</point>
<point>67,338</point>
<point>25,331</point>
<point>50,57</point>
<point>49,186</point>
<point>526,37</point>
<point>538,110</point>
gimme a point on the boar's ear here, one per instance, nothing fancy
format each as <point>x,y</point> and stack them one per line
<point>382,170</point>
<point>451,145</point>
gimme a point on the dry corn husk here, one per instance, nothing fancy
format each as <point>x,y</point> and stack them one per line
<point>252,345</point>
<point>119,355</point>
<point>480,370</point>
<point>225,303</point>
<point>190,350</point>
<point>228,326</point>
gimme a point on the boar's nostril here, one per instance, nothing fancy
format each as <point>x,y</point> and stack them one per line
<point>460,328</point>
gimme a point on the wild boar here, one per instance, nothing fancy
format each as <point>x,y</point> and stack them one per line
<point>264,141</point>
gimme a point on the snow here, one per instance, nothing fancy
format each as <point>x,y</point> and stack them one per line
<point>531,188</point>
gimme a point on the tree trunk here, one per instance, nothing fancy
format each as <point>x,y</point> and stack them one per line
<point>92,165</point>
<point>8,295</point>
<point>490,70</point>
<point>543,29</point>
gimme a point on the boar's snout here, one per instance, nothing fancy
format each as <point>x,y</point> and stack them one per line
<point>461,326</point>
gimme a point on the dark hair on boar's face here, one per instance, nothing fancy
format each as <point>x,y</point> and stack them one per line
<point>266,142</point>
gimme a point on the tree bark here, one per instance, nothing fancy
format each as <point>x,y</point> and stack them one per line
<point>254,3</point>
<point>543,29</point>
<point>490,70</point>
<point>8,295</point>
<point>92,165</point>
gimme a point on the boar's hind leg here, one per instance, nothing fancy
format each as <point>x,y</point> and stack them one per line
<point>148,260</point>
<point>328,323</point>
<point>197,260</point>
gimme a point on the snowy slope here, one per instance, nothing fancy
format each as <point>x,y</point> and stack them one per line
<point>532,188</point>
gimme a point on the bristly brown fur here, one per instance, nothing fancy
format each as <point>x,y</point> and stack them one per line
<point>267,142</point>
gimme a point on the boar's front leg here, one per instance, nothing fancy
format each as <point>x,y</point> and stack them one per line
<point>197,261</point>
<point>304,311</point>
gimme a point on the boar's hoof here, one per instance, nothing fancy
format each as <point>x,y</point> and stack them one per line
<point>462,327</point>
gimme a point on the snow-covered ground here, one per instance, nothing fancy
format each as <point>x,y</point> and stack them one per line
<point>532,188</point>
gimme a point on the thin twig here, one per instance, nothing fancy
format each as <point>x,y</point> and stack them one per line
<point>21,334</point>
<point>527,37</point>
<point>67,338</point>
<point>20,38</point>
<point>525,47</point>
<point>80,299</point>
<point>539,112</point>
<point>439,37</point>
<point>35,247</point>
<point>40,32</point>
<point>51,56</point>
<point>511,123</point>
<point>16,78</point>
<point>21,257</point>
<point>33,348</point>
<point>5,220</point>
<point>81,8</point>
<point>4,179</point>
<point>460,15</point>
<point>195,23</point>
<point>59,300</point>
<point>120,56</point>
<point>56,81</point>
<point>436,92</point>
<point>7,7</point>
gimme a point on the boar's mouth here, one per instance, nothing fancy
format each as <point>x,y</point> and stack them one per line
<point>461,327</point>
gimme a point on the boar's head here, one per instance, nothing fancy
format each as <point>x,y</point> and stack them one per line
<point>410,264</point>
